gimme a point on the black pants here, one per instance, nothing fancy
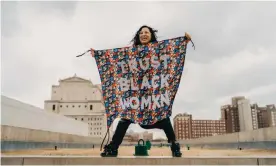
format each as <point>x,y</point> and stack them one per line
<point>123,125</point>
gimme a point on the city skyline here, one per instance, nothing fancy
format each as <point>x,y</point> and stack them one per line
<point>239,116</point>
<point>234,56</point>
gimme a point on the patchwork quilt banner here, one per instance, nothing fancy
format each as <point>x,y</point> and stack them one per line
<point>140,83</point>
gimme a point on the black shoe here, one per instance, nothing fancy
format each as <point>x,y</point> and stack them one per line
<point>109,151</point>
<point>175,147</point>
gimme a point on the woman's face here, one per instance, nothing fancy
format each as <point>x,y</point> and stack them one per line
<point>145,36</point>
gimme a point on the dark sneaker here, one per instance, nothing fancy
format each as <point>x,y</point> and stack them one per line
<point>109,151</point>
<point>175,147</point>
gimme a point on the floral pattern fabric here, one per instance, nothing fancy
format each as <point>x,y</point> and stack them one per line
<point>140,83</point>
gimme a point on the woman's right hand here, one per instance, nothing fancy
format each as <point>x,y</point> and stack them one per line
<point>92,51</point>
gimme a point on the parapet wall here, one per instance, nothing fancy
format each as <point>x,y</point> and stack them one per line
<point>264,138</point>
<point>19,114</point>
<point>15,138</point>
<point>264,134</point>
<point>10,133</point>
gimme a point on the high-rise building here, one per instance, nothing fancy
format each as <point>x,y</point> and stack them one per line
<point>187,128</point>
<point>240,115</point>
<point>272,115</point>
<point>245,115</point>
<point>266,115</point>
<point>236,99</point>
<point>254,111</point>
<point>230,115</point>
<point>81,100</point>
<point>263,117</point>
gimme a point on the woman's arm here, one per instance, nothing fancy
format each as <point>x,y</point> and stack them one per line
<point>189,38</point>
<point>92,51</point>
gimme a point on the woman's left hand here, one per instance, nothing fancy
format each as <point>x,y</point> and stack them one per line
<point>188,36</point>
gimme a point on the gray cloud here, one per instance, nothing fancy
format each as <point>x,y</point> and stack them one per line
<point>9,19</point>
<point>235,47</point>
<point>224,28</point>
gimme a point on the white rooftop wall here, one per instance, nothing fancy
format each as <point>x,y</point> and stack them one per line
<point>18,114</point>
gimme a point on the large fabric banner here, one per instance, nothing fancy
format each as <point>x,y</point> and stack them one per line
<point>140,83</point>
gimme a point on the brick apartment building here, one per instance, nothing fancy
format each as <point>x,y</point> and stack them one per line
<point>266,115</point>
<point>263,116</point>
<point>230,115</point>
<point>187,128</point>
<point>183,126</point>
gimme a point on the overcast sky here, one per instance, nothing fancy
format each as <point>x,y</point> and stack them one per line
<point>235,47</point>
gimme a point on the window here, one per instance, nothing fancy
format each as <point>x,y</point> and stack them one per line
<point>60,106</point>
<point>91,107</point>
<point>73,106</point>
<point>76,118</point>
<point>82,119</point>
<point>79,106</point>
<point>54,107</point>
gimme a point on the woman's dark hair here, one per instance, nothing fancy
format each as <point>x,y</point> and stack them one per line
<point>136,40</point>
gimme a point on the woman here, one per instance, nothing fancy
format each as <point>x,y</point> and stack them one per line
<point>143,36</point>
